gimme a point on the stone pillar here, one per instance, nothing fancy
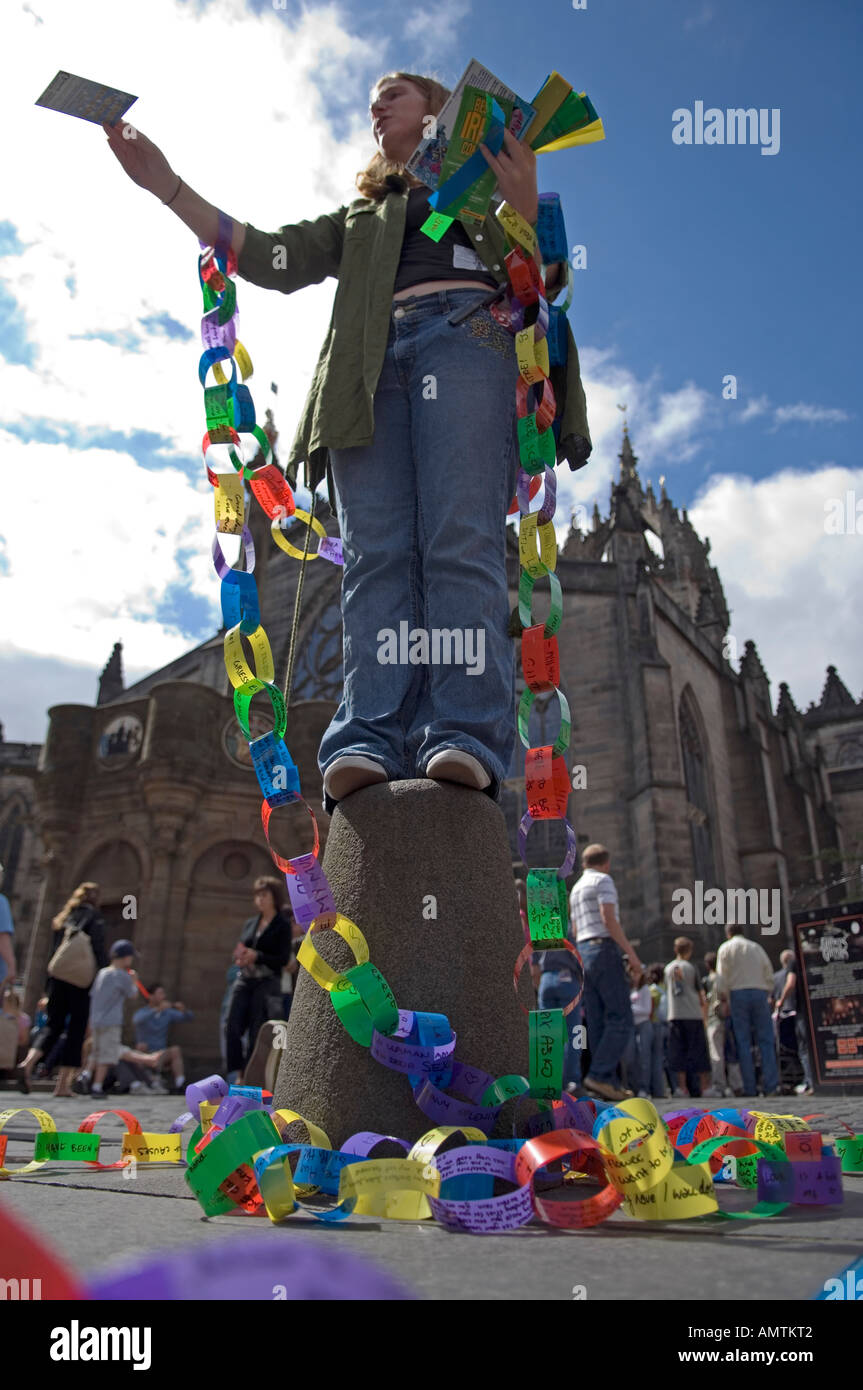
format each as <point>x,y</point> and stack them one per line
<point>395,853</point>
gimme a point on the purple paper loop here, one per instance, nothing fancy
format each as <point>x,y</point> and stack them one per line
<point>408,1057</point>
<point>488,1213</point>
<point>362,1143</point>
<point>221,565</point>
<point>522,495</point>
<point>176,1126</point>
<point>527,821</point>
<point>212,1088</point>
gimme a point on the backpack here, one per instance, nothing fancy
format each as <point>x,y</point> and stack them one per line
<point>74,961</point>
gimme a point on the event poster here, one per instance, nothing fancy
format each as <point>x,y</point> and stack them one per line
<point>830,950</point>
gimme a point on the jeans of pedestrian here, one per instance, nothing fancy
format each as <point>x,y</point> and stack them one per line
<point>716,1049</point>
<point>639,1057</point>
<point>608,1012</point>
<point>801,1033</point>
<point>422,517</point>
<point>554,994</point>
<point>753,1023</point>
<point>250,1008</point>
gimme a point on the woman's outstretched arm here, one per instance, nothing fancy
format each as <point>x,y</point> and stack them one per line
<point>149,169</point>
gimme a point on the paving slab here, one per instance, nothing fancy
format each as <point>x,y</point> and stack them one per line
<point>95,1219</point>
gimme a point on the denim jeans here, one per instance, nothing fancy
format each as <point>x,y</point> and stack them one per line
<point>606,1006</point>
<point>752,1022</point>
<point>639,1057</point>
<point>553,994</point>
<point>422,516</point>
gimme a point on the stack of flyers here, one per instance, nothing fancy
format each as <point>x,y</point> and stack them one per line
<point>428,159</point>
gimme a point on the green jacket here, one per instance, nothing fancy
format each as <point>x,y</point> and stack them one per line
<point>360,245</point>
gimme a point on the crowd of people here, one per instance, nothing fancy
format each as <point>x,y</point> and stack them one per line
<point>666,1029</point>
<point>655,1031</point>
<point>77,1035</point>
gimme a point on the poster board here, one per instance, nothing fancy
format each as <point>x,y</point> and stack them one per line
<point>829,944</point>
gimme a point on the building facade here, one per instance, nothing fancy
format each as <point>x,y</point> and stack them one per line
<point>680,764</point>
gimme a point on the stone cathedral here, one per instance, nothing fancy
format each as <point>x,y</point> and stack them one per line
<point>681,764</point>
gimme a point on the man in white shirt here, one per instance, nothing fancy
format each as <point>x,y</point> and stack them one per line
<point>600,939</point>
<point>745,978</point>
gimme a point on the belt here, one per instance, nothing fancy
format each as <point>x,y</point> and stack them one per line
<point>459,315</point>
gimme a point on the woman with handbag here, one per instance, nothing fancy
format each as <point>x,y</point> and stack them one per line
<point>80,952</point>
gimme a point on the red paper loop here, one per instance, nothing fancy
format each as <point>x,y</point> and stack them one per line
<point>285,864</point>
<point>547,407</point>
<point>540,658</point>
<point>87,1126</point>
<point>524,955</point>
<point>546,784</point>
<point>588,1157</point>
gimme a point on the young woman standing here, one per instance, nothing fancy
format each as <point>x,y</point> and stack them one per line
<point>412,419</point>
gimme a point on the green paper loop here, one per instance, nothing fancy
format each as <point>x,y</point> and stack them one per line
<point>546,1044</point>
<point>547,907</point>
<point>525,595</point>
<point>525,705</point>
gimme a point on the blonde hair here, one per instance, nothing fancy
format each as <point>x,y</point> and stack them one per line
<point>83,893</point>
<point>593,856</point>
<point>372,182</point>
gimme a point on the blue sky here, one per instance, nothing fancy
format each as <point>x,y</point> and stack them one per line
<point>702,261</point>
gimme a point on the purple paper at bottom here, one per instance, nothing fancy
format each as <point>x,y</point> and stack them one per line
<point>488,1213</point>
<point>818,1183</point>
<point>212,1088</point>
<point>362,1143</point>
<point>181,1121</point>
<point>248,1270</point>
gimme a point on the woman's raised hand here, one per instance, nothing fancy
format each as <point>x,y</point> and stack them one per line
<point>141,159</point>
<point>515,168</point>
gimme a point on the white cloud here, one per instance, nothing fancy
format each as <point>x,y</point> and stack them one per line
<point>787,581</point>
<point>86,565</point>
<point>759,405</point>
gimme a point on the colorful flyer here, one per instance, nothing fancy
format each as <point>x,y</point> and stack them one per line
<point>89,101</point>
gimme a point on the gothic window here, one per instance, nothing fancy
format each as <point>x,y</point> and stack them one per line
<point>318,674</point>
<point>697,793</point>
<point>850,752</point>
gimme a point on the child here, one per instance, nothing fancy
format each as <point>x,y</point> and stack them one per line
<point>687,1008</point>
<point>111,988</point>
<point>641,1001</point>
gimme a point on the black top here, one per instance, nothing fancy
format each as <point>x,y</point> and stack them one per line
<point>451,258</point>
<point>273,945</point>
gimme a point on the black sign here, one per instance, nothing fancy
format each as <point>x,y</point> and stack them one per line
<point>830,990</point>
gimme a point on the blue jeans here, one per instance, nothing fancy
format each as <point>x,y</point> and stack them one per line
<point>752,1022</point>
<point>422,516</point>
<point>606,1005</point>
<point>639,1056</point>
<point>556,995</point>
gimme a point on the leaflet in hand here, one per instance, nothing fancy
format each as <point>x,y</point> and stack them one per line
<point>90,101</point>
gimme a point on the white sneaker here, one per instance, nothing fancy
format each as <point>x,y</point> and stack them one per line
<point>678,1094</point>
<point>644,1095</point>
<point>803,1090</point>
<point>711,1091</point>
<point>728,1091</point>
<point>350,773</point>
<point>136,1087</point>
<point>452,765</point>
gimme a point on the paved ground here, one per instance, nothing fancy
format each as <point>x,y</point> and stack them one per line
<point>94,1219</point>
